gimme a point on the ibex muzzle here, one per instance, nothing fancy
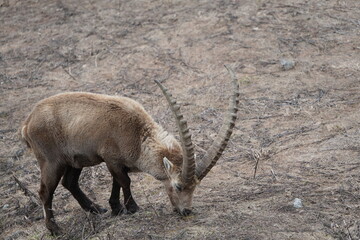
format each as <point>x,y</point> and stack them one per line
<point>70,131</point>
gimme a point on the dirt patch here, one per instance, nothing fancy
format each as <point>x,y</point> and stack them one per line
<point>298,64</point>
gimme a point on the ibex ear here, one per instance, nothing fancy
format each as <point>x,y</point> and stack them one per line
<point>168,165</point>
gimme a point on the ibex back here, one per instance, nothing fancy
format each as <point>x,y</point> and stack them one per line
<point>70,131</point>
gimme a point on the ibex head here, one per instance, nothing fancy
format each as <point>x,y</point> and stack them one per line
<point>179,192</point>
<point>183,179</point>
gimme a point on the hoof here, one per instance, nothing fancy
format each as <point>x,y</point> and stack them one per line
<point>54,229</point>
<point>117,211</point>
<point>185,212</point>
<point>96,209</point>
<point>130,209</point>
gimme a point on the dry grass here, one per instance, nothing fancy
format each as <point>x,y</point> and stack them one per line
<point>298,130</point>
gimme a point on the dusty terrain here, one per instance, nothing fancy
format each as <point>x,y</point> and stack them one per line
<point>298,65</point>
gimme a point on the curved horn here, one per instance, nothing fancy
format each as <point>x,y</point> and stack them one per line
<point>219,144</point>
<point>188,167</point>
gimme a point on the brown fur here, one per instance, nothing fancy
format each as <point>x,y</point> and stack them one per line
<point>91,125</point>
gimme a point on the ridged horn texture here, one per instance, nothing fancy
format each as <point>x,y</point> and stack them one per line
<point>188,167</point>
<point>216,149</point>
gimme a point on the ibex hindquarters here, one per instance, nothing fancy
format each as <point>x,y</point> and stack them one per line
<point>70,131</point>
<point>73,130</point>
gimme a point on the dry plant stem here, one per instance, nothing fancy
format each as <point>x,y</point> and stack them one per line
<point>347,228</point>
<point>273,173</point>
<point>92,227</point>
<point>200,148</point>
<point>91,223</point>
<point>83,232</point>
<point>33,197</point>
<point>256,155</point>
<point>69,73</point>
<point>256,166</point>
<point>351,238</point>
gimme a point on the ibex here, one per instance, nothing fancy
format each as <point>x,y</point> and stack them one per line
<point>69,131</point>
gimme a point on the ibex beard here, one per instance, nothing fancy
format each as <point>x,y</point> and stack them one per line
<point>70,131</point>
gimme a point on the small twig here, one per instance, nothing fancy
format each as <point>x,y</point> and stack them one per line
<point>347,228</point>
<point>69,73</point>
<point>351,238</point>
<point>200,148</point>
<point>255,168</point>
<point>356,23</point>
<point>83,232</point>
<point>96,56</point>
<point>256,155</point>
<point>273,174</point>
<point>92,227</point>
<point>34,198</point>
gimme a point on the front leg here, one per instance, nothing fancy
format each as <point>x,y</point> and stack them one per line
<point>121,180</point>
<point>129,202</point>
<point>114,200</point>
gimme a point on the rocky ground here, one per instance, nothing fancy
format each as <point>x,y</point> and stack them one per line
<point>298,135</point>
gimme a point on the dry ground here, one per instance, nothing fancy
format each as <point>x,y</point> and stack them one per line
<point>299,123</point>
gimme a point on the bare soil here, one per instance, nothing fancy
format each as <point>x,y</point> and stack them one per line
<point>298,65</point>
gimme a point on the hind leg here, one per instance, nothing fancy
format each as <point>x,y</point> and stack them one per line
<point>71,182</point>
<point>50,177</point>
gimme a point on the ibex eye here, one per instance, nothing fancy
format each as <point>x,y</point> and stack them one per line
<point>178,187</point>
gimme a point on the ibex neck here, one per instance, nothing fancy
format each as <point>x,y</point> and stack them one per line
<point>154,145</point>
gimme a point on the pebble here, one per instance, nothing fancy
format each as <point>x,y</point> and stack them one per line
<point>287,64</point>
<point>297,203</point>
